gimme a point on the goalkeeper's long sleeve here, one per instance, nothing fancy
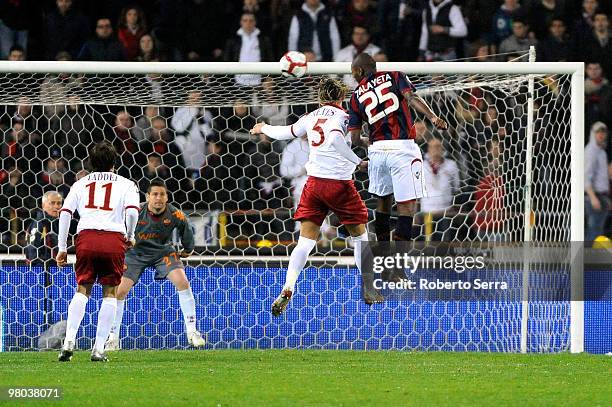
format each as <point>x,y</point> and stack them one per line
<point>64,226</point>
<point>278,132</point>
<point>343,149</point>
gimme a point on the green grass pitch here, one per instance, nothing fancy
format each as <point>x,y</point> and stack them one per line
<point>315,378</point>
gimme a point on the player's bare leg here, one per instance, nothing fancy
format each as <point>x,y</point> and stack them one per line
<point>106,315</point>
<point>187,302</point>
<point>360,237</point>
<point>113,343</point>
<point>76,311</point>
<point>309,233</point>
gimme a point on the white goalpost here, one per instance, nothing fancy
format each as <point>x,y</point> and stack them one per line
<point>517,137</point>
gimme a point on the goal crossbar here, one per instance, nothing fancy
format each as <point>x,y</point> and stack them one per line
<point>263,68</point>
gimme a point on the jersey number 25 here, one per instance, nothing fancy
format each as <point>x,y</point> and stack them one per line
<point>372,99</point>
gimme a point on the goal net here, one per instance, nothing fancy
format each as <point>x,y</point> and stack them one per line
<point>501,173</point>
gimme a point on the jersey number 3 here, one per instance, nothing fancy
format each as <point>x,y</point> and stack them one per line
<point>376,98</point>
<point>92,195</point>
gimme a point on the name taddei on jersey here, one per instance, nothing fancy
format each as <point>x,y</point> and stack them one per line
<point>102,176</point>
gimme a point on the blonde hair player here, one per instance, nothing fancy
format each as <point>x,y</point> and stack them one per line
<point>329,187</point>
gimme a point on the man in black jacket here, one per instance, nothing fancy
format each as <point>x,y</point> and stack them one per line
<point>64,29</point>
<point>42,231</point>
<point>104,46</point>
<point>248,45</point>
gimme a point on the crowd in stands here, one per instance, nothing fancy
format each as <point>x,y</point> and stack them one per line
<point>200,151</point>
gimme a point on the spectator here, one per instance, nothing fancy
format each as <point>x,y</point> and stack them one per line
<point>32,153</point>
<point>248,45</point>
<point>314,27</point>
<point>57,88</point>
<point>555,48</point>
<point>156,169</point>
<point>583,28</point>
<point>479,15</point>
<point>596,182</point>
<point>104,46</point>
<point>217,179</point>
<point>597,91</point>
<point>64,30</point>
<point>17,194</point>
<point>132,26</point>
<point>489,197</point>
<point>160,142</point>
<point>239,121</point>
<point>78,126</point>
<point>56,176</point>
<point>380,57</point>
<point>599,47</point>
<point>147,51</point>
<point>420,132</point>
<point>541,14</point>
<point>142,129</point>
<point>16,53</point>
<point>270,105</point>
<point>360,43</point>
<point>198,41</point>
<point>399,25</point>
<point>262,13</point>
<point>519,41</point>
<point>442,25</point>
<point>442,175</point>
<point>121,134</point>
<point>503,19</point>
<point>41,234</point>
<point>357,13</point>
<point>262,186</point>
<point>192,124</point>
<point>15,22</point>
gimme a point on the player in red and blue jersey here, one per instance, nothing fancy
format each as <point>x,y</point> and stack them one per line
<point>383,100</point>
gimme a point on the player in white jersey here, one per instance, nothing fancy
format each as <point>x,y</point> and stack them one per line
<point>329,187</point>
<point>107,204</point>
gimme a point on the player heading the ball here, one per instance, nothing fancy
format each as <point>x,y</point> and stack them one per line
<point>108,207</point>
<point>383,100</point>
<point>330,167</point>
<point>157,220</point>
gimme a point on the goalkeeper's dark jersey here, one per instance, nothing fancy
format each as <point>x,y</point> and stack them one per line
<point>154,233</point>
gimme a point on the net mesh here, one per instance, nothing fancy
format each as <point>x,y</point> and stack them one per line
<point>240,191</point>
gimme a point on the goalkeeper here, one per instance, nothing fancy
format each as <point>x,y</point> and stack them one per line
<point>157,220</point>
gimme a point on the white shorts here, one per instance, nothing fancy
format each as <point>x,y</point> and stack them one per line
<point>398,172</point>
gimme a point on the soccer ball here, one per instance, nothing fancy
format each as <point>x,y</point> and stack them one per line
<point>293,64</point>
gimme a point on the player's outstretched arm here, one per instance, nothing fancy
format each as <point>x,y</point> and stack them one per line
<point>421,106</point>
<point>275,132</point>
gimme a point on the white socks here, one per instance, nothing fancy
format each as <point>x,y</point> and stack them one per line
<point>76,311</point>
<point>116,328</point>
<point>188,308</point>
<point>358,248</point>
<point>298,259</point>
<point>106,316</point>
